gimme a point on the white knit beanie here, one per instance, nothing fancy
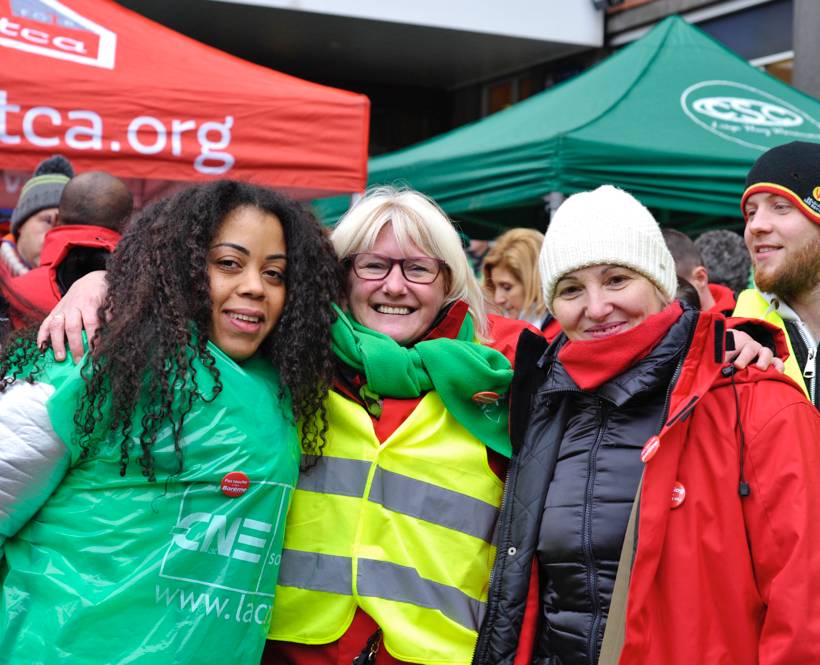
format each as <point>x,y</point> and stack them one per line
<point>604,226</point>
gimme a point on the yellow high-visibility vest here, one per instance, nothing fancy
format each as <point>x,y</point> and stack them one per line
<point>403,530</point>
<point>752,305</point>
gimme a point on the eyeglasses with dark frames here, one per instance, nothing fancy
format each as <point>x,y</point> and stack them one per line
<point>416,269</point>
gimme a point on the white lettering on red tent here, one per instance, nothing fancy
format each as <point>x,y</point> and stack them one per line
<point>83,129</point>
<point>51,29</point>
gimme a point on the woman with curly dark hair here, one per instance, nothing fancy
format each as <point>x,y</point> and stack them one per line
<point>143,492</point>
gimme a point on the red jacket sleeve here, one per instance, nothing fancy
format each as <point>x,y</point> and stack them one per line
<point>767,334</point>
<point>782,516</point>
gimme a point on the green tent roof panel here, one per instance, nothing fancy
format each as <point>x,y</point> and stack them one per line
<point>675,118</point>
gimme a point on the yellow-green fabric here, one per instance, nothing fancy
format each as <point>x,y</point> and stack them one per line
<point>752,305</point>
<point>402,529</point>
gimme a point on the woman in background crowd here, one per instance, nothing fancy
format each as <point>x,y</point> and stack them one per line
<point>511,278</point>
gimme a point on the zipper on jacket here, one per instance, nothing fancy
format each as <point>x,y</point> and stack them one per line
<point>498,542</point>
<point>489,617</point>
<point>810,375</point>
<point>809,371</point>
<point>592,574</point>
<point>675,376</point>
<point>670,389</point>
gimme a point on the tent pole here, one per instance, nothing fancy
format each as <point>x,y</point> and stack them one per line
<point>552,202</point>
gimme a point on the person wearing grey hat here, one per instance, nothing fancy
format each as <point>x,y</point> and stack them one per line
<point>645,468</point>
<point>781,206</point>
<point>34,214</point>
<point>94,208</point>
<point>692,268</point>
<point>32,218</point>
<point>725,258</point>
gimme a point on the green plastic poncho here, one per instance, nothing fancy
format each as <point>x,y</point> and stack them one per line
<point>119,570</point>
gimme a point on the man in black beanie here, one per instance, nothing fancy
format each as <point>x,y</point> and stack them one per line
<point>781,206</point>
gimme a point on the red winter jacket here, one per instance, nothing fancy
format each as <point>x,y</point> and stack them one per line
<point>724,578</point>
<point>33,295</point>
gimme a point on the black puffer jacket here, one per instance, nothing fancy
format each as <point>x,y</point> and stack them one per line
<point>569,491</point>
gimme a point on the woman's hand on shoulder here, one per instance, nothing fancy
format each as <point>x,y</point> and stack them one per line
<point>77,311</point>
<point>747,351</point>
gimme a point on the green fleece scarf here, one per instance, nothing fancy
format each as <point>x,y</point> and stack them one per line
<point>457,369</point>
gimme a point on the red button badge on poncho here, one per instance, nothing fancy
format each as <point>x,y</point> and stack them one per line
<point>678,494</point>
<point>486,397</point>
<point>650,448</point>
<point>235,484</point>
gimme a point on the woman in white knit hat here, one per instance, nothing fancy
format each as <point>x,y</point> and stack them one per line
<point>634,441</point>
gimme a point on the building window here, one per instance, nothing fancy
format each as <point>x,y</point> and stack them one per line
<point>498,95</point>
<point>779,65</point>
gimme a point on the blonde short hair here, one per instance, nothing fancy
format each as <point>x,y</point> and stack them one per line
<point>414,218</point>
<point>517,251</point>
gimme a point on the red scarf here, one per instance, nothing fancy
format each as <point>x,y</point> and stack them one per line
<point>591,363</point>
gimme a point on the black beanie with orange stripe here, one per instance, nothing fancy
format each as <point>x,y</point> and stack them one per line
<point>792,171</point>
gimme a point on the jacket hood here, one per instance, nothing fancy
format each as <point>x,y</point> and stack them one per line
<point>724,298</point>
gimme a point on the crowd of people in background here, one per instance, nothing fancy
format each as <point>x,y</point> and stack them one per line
<point>63,227</point>
<point>297,447</point>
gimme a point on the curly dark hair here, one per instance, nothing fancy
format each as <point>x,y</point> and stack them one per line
<point>157,313</point>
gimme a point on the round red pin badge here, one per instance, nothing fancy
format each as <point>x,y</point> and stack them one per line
<point>235,484</point>
<point>650,448</point>
<point>678,494</point>
<point>485,397</point>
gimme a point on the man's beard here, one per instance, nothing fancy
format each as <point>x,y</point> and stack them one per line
<point>798,275</point>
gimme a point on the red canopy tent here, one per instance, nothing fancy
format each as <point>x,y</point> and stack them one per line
<point>114,91</point>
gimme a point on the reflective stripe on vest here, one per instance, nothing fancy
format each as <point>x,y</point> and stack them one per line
<point>318,572</point>
<point>402,494</point>
<point>403,530</point>
<point>337,475</point>
<point>380,579</point>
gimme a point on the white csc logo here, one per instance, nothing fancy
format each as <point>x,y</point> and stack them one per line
<point>747,111</point>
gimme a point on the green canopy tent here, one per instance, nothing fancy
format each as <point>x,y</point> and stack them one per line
<point>675,118</point>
